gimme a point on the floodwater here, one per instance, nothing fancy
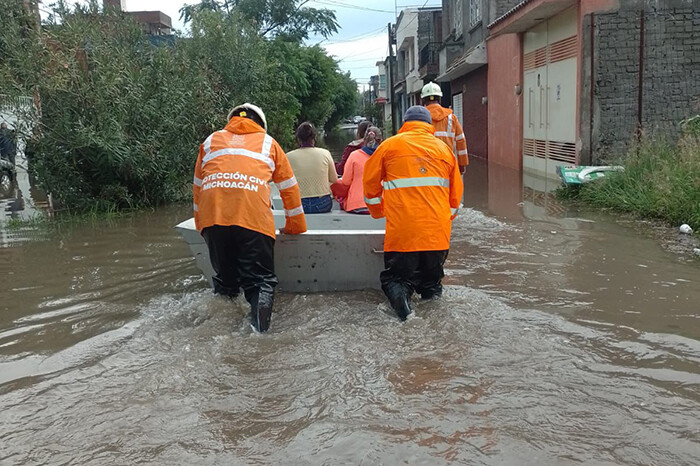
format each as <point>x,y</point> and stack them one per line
<point>563,337</point>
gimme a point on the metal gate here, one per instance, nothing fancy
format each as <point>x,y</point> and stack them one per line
<point>457,107</point>
<point>550,67</point>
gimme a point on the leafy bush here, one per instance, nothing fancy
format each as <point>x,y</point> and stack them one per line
<point>121,118</point>
<point>660,180</point>
<point>691,126</point>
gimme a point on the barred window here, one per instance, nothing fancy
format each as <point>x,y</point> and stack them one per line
<point>457,19</point>
<point>474,12</point>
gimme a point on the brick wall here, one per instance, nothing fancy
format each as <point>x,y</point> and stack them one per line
<point>671,67</point>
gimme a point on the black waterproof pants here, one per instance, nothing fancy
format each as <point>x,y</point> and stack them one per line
<point>406,272</point>
<point>245,259</point>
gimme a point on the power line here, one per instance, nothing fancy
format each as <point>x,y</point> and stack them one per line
<point>358,60</point>
<point>356,38</point>
<point>357,55</point>
<point>352,7</point>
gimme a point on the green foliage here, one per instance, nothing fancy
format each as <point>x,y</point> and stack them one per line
<point>17,33</point>
<point>122,118</point>
<point>691,126</point>
<point>344,100</point>
<point>290,82</point>
<point>271,17</point>
<point>660,180</point>
<point>372,112</point>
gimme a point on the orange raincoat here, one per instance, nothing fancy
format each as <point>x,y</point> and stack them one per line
<point>448,129</point>
<point>413,179</point>
<point>232,176</point>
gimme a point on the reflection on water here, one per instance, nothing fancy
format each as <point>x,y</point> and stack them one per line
<point>23,199</point>
<point>336,140</point>
<point>563,337</point>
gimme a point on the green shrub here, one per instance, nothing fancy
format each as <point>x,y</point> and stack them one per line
<point>661,180</point>
<point>121,118</point>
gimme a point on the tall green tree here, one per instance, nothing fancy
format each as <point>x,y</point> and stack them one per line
<point>272,17</point>
<point>122,118</point>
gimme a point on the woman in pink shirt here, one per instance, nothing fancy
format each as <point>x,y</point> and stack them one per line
<point>354,169</point>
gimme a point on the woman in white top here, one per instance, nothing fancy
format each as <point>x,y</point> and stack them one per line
<point>314,170</point>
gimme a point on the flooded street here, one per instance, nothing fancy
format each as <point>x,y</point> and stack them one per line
<point>563,337</point>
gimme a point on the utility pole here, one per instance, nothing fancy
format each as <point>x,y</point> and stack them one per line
<point>390,94</point>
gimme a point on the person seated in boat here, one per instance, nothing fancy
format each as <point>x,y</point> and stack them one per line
<point>231,191</point>
<point>314,171</point>
<point>350,185</point>
<point>353,146</point>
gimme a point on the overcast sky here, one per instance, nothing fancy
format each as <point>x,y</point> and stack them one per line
<point>361,40</point>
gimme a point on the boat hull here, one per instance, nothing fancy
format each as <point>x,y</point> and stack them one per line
<point>339,252</point>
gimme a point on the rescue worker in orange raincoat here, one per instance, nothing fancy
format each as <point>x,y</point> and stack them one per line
<point>413,180</point>
<point>446,124</point>
<point>232,208</point>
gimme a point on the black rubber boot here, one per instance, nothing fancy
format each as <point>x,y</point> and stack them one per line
<point>433,293</point>
<point>261,310</point>
<point>399,298</point>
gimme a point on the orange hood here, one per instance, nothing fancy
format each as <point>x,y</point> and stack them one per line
<point>417,126</point>
<point>438,112</point>
<point>241,125</point>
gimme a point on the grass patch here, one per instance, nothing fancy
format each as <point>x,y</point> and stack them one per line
<point>661,180</point>
<point>66,219</point>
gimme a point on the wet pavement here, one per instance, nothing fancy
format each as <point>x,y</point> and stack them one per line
<point>565,336</point>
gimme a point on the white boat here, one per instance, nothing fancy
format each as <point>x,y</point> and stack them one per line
<point>339,252</point>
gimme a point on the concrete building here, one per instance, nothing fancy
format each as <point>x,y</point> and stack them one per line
<point>575,81</point>
<point>415,28</point>
<point>154,23</point>
<point>542,83</point>
<point>382,98</point>
<point>463,64</point>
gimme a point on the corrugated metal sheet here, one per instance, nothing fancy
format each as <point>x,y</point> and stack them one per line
<point>510,12</point>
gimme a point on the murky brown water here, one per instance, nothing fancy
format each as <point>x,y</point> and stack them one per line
<point>563,337</point>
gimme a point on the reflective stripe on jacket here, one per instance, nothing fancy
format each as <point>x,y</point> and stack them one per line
<point>413,180</point>
<point>232,176</point>
<point>448,129</point>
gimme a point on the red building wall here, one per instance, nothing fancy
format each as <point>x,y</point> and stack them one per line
<point>505,124</point>
<point>474,87</point>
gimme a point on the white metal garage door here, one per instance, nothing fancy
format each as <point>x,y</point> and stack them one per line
<point>550,67</point>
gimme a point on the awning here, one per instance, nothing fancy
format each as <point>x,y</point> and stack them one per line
<point>528,14</point>
<point>380,100</point>
<point>474,58</point>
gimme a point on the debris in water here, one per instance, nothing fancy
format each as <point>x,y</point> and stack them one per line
<point>685,229</point>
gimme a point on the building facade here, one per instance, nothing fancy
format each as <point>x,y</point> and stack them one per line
<point>153,23</point>
<point>464,64</point>
<point>576,81</point>
<point>415,28</point>
<point>542,83</point>
<point>382,94</point>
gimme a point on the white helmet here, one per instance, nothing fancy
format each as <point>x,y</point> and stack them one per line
<point>253,108</point>
<point>431,89</point>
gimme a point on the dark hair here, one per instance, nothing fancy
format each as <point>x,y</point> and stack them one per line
<point>362,128</point>
<point>306,133</point>
<point>250,115</point>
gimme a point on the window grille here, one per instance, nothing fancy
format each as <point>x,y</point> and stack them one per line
<point>474,12</point>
